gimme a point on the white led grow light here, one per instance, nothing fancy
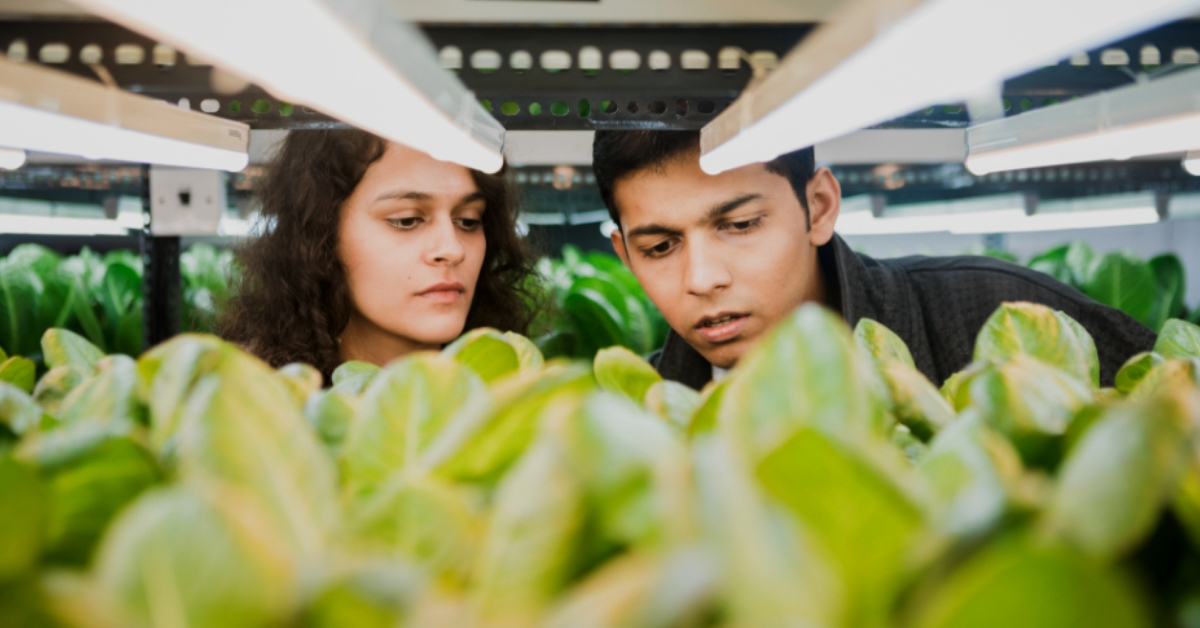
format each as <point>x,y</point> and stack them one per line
<point>11,158</point>
<point>876,60</point>
<point>1161,116</point>
<point>999,214</point>
<point>55,225</point>
<point>54,112</point>
<point>351,59</point>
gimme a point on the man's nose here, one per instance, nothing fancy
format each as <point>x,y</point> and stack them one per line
<point>706,271</point>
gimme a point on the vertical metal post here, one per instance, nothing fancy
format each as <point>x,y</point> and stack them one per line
<point>161,290</point>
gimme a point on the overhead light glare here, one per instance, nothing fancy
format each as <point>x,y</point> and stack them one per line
<point>1162,116</point>
<point>918,54</point>
<point>54,225</point>
<point>50,111</point>
<point>1191,163</point>
<point>369,69</point>
<point>11,158</point>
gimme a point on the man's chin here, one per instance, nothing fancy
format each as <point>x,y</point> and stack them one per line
<point>724,355</point>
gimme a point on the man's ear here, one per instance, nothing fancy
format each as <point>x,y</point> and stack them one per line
<point>824,205</point>
<point>618,242</point>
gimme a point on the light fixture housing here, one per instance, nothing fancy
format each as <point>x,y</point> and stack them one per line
<point>876,60</point>
<point>55,112</point>
<point>353,60</point>
<point>1006,213</point>
<point>1161,116</point>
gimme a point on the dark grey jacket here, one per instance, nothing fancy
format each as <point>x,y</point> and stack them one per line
<point>937,305</point>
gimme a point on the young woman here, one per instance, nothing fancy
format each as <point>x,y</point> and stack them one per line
<point>377,250</point>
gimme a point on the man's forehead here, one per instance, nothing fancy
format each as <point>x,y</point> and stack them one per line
<point>679,194</point>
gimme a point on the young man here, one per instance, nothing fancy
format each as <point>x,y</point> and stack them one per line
<point>726,256</point>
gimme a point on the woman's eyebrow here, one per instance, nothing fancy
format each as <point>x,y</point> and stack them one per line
<point>399,195</point>
<point>471,198</point>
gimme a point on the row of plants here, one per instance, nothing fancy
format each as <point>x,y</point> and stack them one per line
<point>1151,291</point>
<point>595,302</point>
<point>98,296</point>
<point>824,482</point>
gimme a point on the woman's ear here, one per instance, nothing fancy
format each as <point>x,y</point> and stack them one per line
<point>824,205</point>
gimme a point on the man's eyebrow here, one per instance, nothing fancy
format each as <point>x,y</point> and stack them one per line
<point>652,230</point>
<point>721,209</point>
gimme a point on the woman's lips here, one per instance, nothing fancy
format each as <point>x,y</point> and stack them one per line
<point>442,297</point>
<point>725,331</point>
<point>443,293</point>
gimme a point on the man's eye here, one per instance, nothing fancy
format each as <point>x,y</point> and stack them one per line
<point>743,225</point>
<point>662,248</point>
<point>404,223</point>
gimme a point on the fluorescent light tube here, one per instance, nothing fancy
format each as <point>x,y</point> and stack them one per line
<point>11,158</point>
<point>876,60</point>
<point>351,59</point>
<point>54,112</point>
<point>53,225</point>
<point>1001,214</point>
<point>1162,116</point>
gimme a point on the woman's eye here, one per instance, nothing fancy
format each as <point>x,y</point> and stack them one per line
<point>404,223</point>
<point>470,224</point>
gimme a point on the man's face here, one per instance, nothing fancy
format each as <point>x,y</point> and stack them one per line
<point>726,256</point>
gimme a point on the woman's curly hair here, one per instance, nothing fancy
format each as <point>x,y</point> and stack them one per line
<point>290,300</point>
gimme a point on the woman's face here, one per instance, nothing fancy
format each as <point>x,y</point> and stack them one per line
<point>412,243</point>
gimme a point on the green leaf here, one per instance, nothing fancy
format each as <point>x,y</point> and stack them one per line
<point>402,411</point>
<point>65,348</point>
<point>1178,339</point>
<point>302,380</point>
<point>1123,281</point>
<point>621,371</point>
<point>806,372</point>
<point>19,372</point>
<point>128,339</point>
<point>1039,332</point>
<point>109,395</point>
<point>56,384</point>
<point>597,321</point>
<point>485,351</point>
<point>1170,279</point>
<point>20,290</point>
<point>431,522</point>
<point>1029,402</point>
<point>353,376</point>
<point>774,572</point>
<point>1179,373</point>
<point>22,519</point>
<point>374,595</point>
<point>481,444</point>
<point>88,492</point>
<point>167,374</point>
<point>183,557</point>
<point>330,413</point>
<point>881,343</point>
<point>41,260</point>
<point>1081,259</point>
<point>705,418</point>
<point>1114,484</point>
<point>239,428</point>
<point>1016,583</point>
<point>528,551</point>
<point>917,404</point>
<point>974,473</point>
<point>120,291</point>
<point>854,510</point>
<point>18,412</point>
<point>1136,368</point>
<point>674,402</point>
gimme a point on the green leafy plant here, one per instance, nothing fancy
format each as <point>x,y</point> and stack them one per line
<point>598,303</point>
<point>1150,291</point>
<point>98,297</point>
<point>823,482</point>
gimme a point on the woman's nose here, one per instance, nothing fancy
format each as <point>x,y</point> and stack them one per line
<point>445,247</point>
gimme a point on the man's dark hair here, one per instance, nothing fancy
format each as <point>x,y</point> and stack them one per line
<point>617,154</point>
